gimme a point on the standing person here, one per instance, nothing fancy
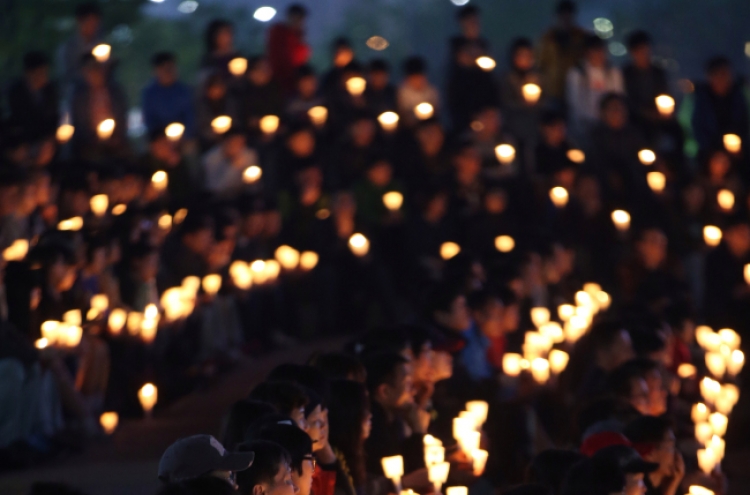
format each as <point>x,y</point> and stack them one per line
<point>332,82</point>
<point>287,50</point>
<point>219,39</point>
<point>166,100</point>
<point>587,83</point>
<point>471,34</point>
<point>33,99</point>
<point>470,89</point>
<point>88,20</point>
<point>560,49</point>
<point>643,81</point>
<point>97,98</point>
<point>415,89</point>
<point>720,106</point>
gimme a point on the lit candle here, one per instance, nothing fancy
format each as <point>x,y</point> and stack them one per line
<point>732,143</point>
<point>480,409</point>
<point>704,335</point>
<point>272,270</point>
<point>221,124</point>
<point>710,389</point>
<point>148,395</point>
<point>665,105</point>
<point>457,490</point>
<point>72,317</point>
<point>424,111</point>
<point>174,131</point>
<point>237,66</point>
<point>730,392</point>
<point>308,260</point>
<point>148,330</point>
<point>119,209</point>
<point>576,156</point>
<point>165,221</point>
<point>736,362</point>
<point>730,338</point>
<point>318,115</point>
<point>393,467</point>
<point>99,302</point>
<point>703,432</point>
<point>699,413</point>
<point>393,200</point>
<point>706,460</point>
<point>105,129</point>
<point>699,490</point>
<point>656,181</point>
<point>359,244</point>
<point>64,133</point>
<point>559,196</point>
<point>252,174</point>
<point>438,474</point>
<point>603,299</point>
<point>565,311</point>
<point>470,441</point>
<point>621,219</point>
<point>531,93</point>
<point>716,364</point>
<point>512,364</point>
<point>287,256</point>
<point>211,284</point>
<point>101,52</point>
<point>16,251</point>
<point>486,63</point>
<point>553,331</point>
<point>718,445</point>
<point>41,343</point>
<point>505,244</point>
<point>269,124</point>
<point>159,180</point>
<point>505,153</point>
<point>558,360</point>
<point>356,85</point>
<point>388,121</point>
<point>462,426</point>
<point>686,370</point>
<point>434,454</point>
<point>479,458</point>
<point>117,319</point>
<point>51,331</point>
<point>747,273</point>
<point>540,370</point>
<point>99,204</point>
<point>109,421</point>
<point>647,157</point>
<point>712,235</point>
<point>725,199</point>
<point>71,224</point>
<point>449,249</point>
<point>539,316</point>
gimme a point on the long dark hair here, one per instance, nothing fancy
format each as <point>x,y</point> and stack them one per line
<point>348,407</point>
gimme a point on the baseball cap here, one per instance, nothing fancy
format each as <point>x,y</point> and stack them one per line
<point>193,457</point>
<point>625,458</point>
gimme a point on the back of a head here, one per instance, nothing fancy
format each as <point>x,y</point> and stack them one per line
<point>270,457</point>
<point>339,366</point>
<point>285,396</point>
<point>242,415</point>
<point>381,368</point>
<point>549,468</point>
<point>294,440</point>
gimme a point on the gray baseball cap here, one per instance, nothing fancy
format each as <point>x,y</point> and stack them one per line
<point>193,457</point>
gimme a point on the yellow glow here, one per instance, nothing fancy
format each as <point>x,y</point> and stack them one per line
<point>237,66</point>
<point>559,196</point>
<point>101,52</point>
<point>269,124</point>
<point>356,85</point>
<point>665,105</point>
<point>221,124</point>
<point>732,143</point>
<point>647,157</point>
<point>504,243</point>
<point>393,200</point>
<point>159,180</point>
<point>449,249</point>
<point>576,156</point>
<point>109,421</point>
<point>252,174</point>
<point>318,115</point>
<point>486,63</point>
<point>174,131</point>
<point>621,219</point>
<point>656,181</point>
<point>531,93</point>
<point>424,111</point>
<point>105,129</point>
<point>388,121</point>
<point>505,153</point>
<point>64,133</point>
<point>16,251</point>
<point>725,198</point>
<point>359,244</point>
<point>712,235</point>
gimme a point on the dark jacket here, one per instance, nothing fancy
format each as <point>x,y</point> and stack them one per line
<point>35,113</point>
<point>714,116</point>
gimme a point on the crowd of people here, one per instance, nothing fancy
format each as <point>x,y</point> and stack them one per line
<point>432,222</point>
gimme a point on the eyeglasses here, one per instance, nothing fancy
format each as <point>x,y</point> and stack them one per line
<point>311,459</point>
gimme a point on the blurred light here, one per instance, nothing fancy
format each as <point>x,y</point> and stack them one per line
<point>576,156</point>
<point>656,181</point>
<point>237,66</point>
<point>647,157</point>
<point>603,27</point>
<point>119,209</point>
<point>617,49</point>
<point>424,111</point>
<point>504,243</point>
<point>486,63</point>
<point>377,43</point>
<point>747,48</point>
<point>459,2</point>
<point>174,131</point>
<point>221,124</point>
<point>157,1</point>
<point>251,174</point>
<point>188,6</point>
<point>101,52</point>
<point>505,153</point>
<point>264,14</point>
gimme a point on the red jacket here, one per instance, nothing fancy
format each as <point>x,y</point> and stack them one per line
<point>287,51</point>
<point>324,481</point>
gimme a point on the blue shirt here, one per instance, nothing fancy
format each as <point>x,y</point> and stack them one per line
<point>474,354</point>
<point>163,105</point>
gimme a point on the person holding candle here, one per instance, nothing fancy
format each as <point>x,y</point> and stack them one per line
<point>369,193</point>
<point>88,16</point>
<point>587,83</point>
<point>166,99</point>
<point>224,165</point>
<point>257,95</point>
<point>644,81</point>
<point>96,98</point>
<point>521,112</point>
<point>219,45</point>
<point>306,95</point>
<point>654,440</point>
<point>469,21</point>
<point>720,107</point>
<point>332,83</point>
<point>415,89</point>
<point>469,87</point>
<point>380,92</point>
<point>165,154</point>
<point>34,99</point>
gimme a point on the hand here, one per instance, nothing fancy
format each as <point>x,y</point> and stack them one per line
<point>678,468</point>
